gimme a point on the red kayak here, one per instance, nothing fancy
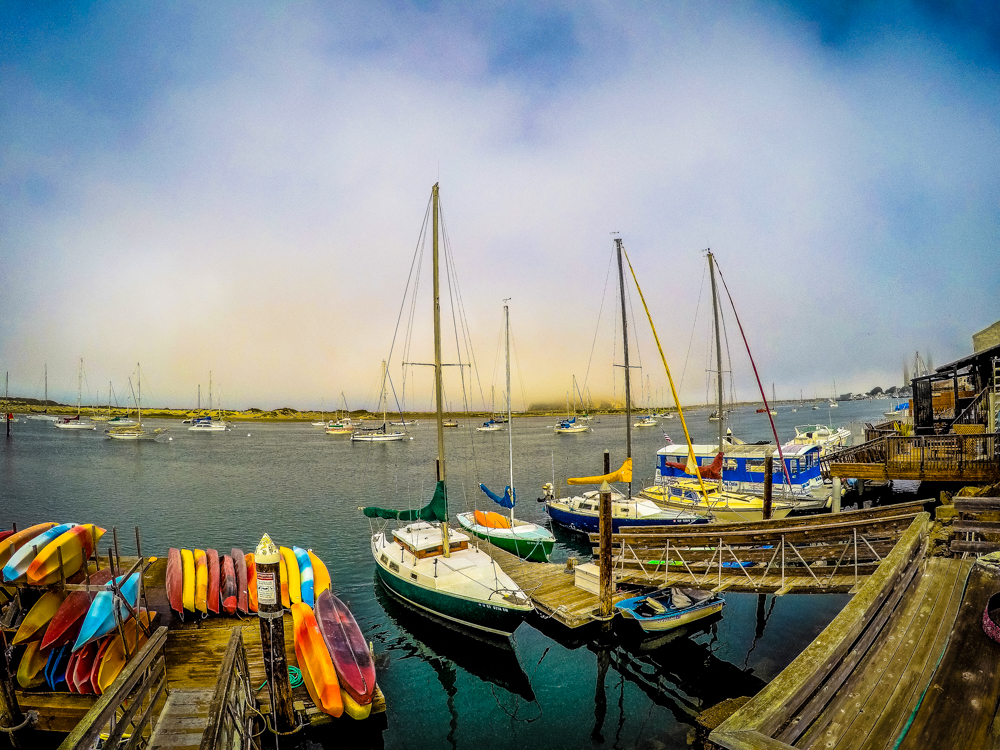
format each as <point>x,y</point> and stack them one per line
<point>65,624</point>
<point>70,666</point>
<point>348,648</point>
<point>103,645</point>
<point>175,581</point>
<point>5,534</point>
<point>242,598</point>
<point>82,668</point>
<point>213,580</point>
<point>228,585</point>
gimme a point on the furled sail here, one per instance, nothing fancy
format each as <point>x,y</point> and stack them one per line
<point>624,474</point>
<point>435,510</point>
<point>507,501</point>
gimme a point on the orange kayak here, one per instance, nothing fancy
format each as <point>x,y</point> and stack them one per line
<point>315,663</point>
<point>201,581</point>
<point>321,576</point>
<point>251,582</point>
<point>14,542</point>
<point>39,616</point>
<point>76,545</point>
<point>113,660</point>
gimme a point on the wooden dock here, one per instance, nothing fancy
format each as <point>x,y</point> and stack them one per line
<point>906,664</point>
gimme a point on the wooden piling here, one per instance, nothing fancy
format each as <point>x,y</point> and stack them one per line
<point>607,588</point>
<point>272,634</point>
<point>768,484</point>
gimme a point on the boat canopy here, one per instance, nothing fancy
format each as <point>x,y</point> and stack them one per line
<point>624,474</point>
<point>507,501</point>
<point>435,510</point>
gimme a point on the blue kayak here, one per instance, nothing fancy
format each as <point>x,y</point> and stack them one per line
<point>100,619</point>
<point>306,575</point>
<point>55,667</point>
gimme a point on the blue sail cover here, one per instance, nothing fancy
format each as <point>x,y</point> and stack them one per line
<point>508,499</point>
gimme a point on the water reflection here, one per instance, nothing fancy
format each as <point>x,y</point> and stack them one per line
<point>444,646</point>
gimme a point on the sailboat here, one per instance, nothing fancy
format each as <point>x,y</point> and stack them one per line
<point>322,420</point>
<point>379,434</point>
<point>694,494</point>
<point>44,416</point>
<point>206,423</point>
<point>492,424</point>
<point>570,425</point>
<point>583,512</point>
<point>344,424</point>
<point>136,431</point>
<point>75,423</point>
<point>526,540</point>
<point>649,420</point>
<point>427,564</point>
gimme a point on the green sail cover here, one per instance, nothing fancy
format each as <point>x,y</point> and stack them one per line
<point>435,510</point>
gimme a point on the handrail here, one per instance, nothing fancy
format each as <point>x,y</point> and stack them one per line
<point>974,404</point>
<point>232,690</point>
<point>86,733</point>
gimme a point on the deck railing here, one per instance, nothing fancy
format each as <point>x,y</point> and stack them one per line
<point>942,454</point>
<point>230,723</point>
<point>139,686</point>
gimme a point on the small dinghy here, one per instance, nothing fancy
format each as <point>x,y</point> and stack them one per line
<point>670,608</point>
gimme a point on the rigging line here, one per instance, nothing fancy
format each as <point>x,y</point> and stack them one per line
<point>421,239</point>
<point>694,325</point>
<point>770,418</point>
<point>520,375</point>
<point>600,310</point>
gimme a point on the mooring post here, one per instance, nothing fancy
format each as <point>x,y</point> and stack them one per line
<point>272,634</point>
<point>10,711</point>
<point>835,506</point>
<point>605,533</point>
<point>768,483</point>
<point>10,418</point>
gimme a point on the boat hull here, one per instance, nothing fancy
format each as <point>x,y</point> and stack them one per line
<point>591,524</point>
<point>533,549</point>
<point>675,620</point>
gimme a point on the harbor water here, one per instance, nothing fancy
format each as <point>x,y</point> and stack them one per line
<point>550,687</point>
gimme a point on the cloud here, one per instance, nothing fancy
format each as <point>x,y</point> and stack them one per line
<point>249,200</point>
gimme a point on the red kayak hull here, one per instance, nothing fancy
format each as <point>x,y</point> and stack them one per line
<point>83,666</point>
<point>242,596</point>
<point>228,585</point>
<point>348,647</point>
<point>213,580</point>
<point>65,625</point>
<point>175,581</point>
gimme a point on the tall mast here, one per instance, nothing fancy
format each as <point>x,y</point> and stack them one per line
<point>628,382</point>
<point>79,387</point>
<point>46,387</point>
<point>385,397</point>
<point>138,379</point>
<point>510,424</point>
<point>210,390</point>
<point>438,388</point>
<point>199,396</point>
<point>718,351</point>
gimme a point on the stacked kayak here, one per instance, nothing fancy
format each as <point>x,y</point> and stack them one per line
<point>33,556</point>
<point>336,663</point>
<point>203,582</point>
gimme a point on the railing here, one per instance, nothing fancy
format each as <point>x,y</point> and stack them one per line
<point>915,455</point>
<point>871,452</point>
<point>230,724</point>
<point>970,533</point>
<point>884,428</point>
<point>139,686</point>
<point>975,412</point>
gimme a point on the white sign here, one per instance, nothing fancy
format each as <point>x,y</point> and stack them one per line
<point>267,592</point>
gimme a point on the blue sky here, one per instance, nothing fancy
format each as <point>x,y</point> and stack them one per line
<point>238,187</point>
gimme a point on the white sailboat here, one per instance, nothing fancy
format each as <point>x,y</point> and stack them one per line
<point>343,425</point>
<point>206,423</point>
<point>75,423</point>
<point>650,419</point>
<point>322,413</point>
<point>379,434</point>
<point>136,431</point>
<point>44,416</point>
<point>570,425</point>
<point>430,566</point>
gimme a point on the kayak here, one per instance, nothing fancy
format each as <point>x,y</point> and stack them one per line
<point>305,575</point>
<point>55,667</point>
<point>242,597</point>
<point>17,566</point>
<point>15,541</point>
<point>292,573</point>
<point>31,669</point>
<point>100,619</point>
<point>251,582</point>
<point>76,545</point>
<point>82,667</point>
<point>228,586</point>
<point>175,581</point>
<point>188,578</point>
<point>38,618</point>
<point>315,663</point>
<point>65,625</point>
<point>103,647</point>
<point>114,660</point>
<point>321,576</point>
<point>201,581</point>
<point>213,581</point>
<point>348,648</point>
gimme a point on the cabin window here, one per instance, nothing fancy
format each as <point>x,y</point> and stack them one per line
<point>393,567</point>
<point>413,576</point>
<point>755,464</point>
<point>384,558</point>
<point>729,464</point>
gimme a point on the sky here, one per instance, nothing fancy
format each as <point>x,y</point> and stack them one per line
<point>238,188</point>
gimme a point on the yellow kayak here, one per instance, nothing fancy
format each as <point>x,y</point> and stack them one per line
<point>187,565</point>
<point>14,542</point>
<point>201,581</point>
<point>292,571</point>
<point>76,546</point>
<point>354,709</point>
<point>38,617</point>
<point>114,660</point>
<point>318,672</point>
<point>321,576</point>
<point>31,669</point>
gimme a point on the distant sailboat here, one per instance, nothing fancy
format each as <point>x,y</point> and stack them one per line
<point>44,416</point>
<point>75,423</point>
<point>136,431</point>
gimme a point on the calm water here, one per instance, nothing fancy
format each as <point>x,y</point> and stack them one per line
<point>303,487</point>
